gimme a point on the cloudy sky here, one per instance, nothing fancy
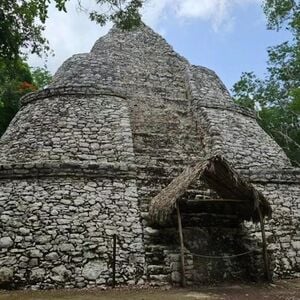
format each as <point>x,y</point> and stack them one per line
<point>228,36</point>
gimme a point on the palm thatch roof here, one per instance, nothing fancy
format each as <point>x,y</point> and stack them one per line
<point>220,177</point>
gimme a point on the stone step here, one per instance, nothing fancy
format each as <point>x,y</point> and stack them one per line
<point>160,278</point>
<point>155,248</point>
<point>158,270</point>
<point>155,257</point>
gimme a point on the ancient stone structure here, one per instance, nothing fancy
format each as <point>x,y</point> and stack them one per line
<point>83,158</point>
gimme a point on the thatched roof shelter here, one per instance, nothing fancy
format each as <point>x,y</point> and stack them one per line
<point>220,177</point>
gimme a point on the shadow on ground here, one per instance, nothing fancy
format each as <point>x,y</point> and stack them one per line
<point>281,290</point>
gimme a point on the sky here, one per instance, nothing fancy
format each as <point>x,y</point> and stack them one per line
<point>227,36</point>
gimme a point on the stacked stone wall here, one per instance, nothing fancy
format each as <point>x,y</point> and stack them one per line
<point>146,65</point>
<point>84,157</point>
<point>232,131</point>
<point>283,229</point>
<point>70,128</point>
<point>58,232</point>
<point>67,183</point>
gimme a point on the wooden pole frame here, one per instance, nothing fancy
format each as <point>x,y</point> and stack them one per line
<point>114,261</point>
<point>183,281</point>
<point>264,246</point>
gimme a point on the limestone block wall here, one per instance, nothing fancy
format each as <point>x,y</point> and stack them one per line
<point>83,158</point>
<point>211,90</point>
<point>67,184</point>
<point>57,232</point>
<point>93,128</point>
<point>232,130</point>
<point>283,230</point>
<point>139,63</point>
<point>252,147</point>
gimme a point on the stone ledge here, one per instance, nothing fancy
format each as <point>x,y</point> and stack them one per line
<point>233,108</point>
<point>92,90</point>
<point>130,171</point>
<point>271,176</point>
<point>68,168</point>
<point>198,101</point>
<point>71,90</point>
<point>86,90</point>
<point>288,175</point>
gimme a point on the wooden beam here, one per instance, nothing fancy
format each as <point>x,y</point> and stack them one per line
<point>213,215</point>
<point>218,201</point>
<point>114,260</point>
<point>264,246</point>
<point>183,283</point>
<point>218,208</point>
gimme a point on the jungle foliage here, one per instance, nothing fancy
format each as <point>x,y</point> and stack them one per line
<point>16,80</point>
<point>23,22</point>
<point>276,98</point>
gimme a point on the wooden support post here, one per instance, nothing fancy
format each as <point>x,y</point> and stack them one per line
<point>183,283</point>
<point>114,261</point>
<point>264,246</point>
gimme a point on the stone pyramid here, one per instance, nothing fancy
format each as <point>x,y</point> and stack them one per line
<point>82,159</point>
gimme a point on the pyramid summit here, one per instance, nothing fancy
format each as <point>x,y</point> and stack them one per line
<point>122,133</point>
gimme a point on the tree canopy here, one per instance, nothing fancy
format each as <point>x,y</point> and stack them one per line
<point>15,81</point>
<point>276,98</point>
<point>23,22</point>
<point>21,32</point>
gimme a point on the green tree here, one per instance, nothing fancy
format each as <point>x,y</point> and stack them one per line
<point>21,31</point>
<point>276,98</point>
<point>283,13</point>
<point>23,22</point>
<point>41,77</point>
<point>17,80</point>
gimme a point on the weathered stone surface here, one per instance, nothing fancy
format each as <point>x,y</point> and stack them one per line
<point>83,158</point>
<point>52,256</point>
<point>57,278</point>
<point>6,242</point>
<point>37,274</point>
<point>176,277</point>
<point>36,253</point>
<point>296,245</point>
<point>92,270</point>
<point>24,231</point>
<point>6,274</point>
<point>66,247</point>
<point>61,271</point>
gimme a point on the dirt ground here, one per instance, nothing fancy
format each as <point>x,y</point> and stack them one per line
<point>281,290</point>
